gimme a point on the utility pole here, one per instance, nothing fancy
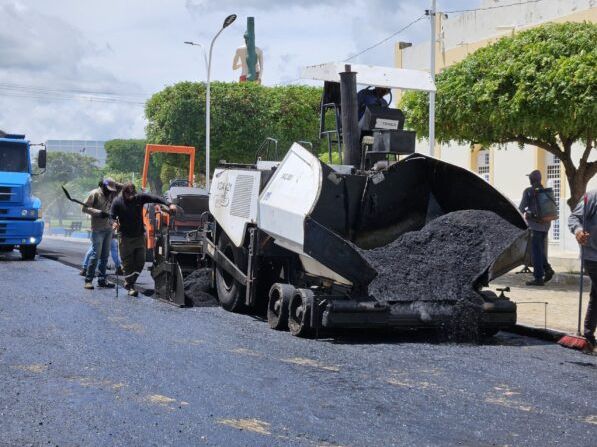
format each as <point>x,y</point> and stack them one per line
<point>431,13</point>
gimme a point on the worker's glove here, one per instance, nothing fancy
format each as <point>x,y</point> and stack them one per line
<point>172,209</point>
<point>103,214</point>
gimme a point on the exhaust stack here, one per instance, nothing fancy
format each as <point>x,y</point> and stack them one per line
<point>351,152</point>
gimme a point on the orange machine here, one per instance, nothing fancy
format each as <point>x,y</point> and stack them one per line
<point>148,215</point>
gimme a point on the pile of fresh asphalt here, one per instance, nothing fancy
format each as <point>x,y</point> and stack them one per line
<point>197,289</point>
<point>441,264</point>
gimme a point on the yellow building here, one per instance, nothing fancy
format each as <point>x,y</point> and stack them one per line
<point>504,167</point>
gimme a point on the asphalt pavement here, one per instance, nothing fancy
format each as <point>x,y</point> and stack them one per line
<point>84,368</point>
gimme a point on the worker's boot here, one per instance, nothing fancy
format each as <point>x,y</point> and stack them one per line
<point>88,285</point>
<point>548,275</point>
<point>535,282</point>
<point>103,284</point>
<point>131,289</point>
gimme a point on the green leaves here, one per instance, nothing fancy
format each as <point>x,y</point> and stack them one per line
<point>242,116</point>
<point>539,83</point>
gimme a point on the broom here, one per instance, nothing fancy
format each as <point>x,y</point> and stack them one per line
<point>578,341</point>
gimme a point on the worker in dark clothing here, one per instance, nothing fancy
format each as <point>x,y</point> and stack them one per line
<point>127,212</point>
<point>542,271</point>
<point>583,223</point>
<point>372,97</point>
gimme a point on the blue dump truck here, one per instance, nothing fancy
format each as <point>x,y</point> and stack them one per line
<point>21,223</point>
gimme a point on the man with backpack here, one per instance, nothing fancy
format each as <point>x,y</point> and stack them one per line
<point>539,222</point>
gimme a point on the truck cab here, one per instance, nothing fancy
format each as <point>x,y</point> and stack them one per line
<point>21,224</point>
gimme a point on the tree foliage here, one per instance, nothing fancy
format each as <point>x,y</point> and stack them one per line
<point>537,87</point>
<point>242,116</point>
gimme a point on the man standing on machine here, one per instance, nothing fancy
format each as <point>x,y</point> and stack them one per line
<point>127,212</point>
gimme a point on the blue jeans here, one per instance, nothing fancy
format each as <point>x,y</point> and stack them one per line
<point>100,251</point>
<point>113,253</point>
<point>539,259</point>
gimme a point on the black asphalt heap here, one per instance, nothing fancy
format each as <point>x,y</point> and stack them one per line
<point>443,260</point>
<point>197,288</point>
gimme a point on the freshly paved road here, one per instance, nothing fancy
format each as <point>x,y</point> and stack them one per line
<point>84,368</point>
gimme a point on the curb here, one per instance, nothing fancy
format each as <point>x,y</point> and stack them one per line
<point>536,332</point>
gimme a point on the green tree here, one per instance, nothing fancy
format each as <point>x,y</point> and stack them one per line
<point>79,173</point>
<point>537,87</point>
<point>242,116</point>
<point>124,161</point>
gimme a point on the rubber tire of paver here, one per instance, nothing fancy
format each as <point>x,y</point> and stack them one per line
<point>277,307</point>
<point>231,293</point>
<point>299,313</point>
<point>28,252</point>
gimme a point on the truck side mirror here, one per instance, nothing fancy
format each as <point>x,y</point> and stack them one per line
<point>41,159</point>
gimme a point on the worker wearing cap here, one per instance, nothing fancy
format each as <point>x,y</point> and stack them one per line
<point>583,223</point>
<point>529,206</point>
<point>372,97</point>
<point>98,205</point>
<point>127,212</point>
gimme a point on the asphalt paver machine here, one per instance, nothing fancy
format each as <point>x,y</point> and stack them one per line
<point>282,236</point>
<point>171,240</point>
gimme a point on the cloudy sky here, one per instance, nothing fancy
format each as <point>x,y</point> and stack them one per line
<point>81,69</point>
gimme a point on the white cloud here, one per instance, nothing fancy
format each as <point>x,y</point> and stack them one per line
<point>135,48</point>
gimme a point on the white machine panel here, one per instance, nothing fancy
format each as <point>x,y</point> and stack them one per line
<point>373,75</point>
<point>289,196</point>
<point>233,201</point>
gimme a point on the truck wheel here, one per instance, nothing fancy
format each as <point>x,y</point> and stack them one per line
<point>299,313</point>
<point>277,307</point>
<point>28,252</point>
<point>231,293</point>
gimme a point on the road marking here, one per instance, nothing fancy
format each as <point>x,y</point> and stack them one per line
<point>253,425</point>
<point>123,323</point>
<point>160,399</point>
<point>312,363</point>
<point>188,341</point>
<point>410,383</point>
<point>34,368</point>
<point>591,419</point>
<point>245,351</point>
<point>509,403</point>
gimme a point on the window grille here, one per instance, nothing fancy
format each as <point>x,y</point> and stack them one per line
<point>553,181</point>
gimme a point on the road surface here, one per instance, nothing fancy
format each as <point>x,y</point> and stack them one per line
<point>82,368</point>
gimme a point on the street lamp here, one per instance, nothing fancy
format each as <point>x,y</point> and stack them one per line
<point>200,45</point>
<point>227,22</point>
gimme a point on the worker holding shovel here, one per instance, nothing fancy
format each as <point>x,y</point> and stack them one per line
<point>127,212</point>
<point>583,223</point>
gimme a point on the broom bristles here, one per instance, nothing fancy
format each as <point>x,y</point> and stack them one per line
<point>574,342</point>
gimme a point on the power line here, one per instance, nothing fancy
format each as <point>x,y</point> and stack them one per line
<point>492,7</point>
<point>385,39</point>
<point>51,94</point>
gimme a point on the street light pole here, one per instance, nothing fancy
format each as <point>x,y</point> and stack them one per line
<point>231,18</point>
<point>432,71</point>
<point>197,44</point>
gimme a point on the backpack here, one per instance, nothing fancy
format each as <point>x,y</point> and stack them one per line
<point>545,204</point>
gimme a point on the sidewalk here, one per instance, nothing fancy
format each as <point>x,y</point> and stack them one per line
<point>560,294</point>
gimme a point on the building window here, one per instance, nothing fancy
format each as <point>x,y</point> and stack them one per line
<point>483,165</point>
<point>553,181</point>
